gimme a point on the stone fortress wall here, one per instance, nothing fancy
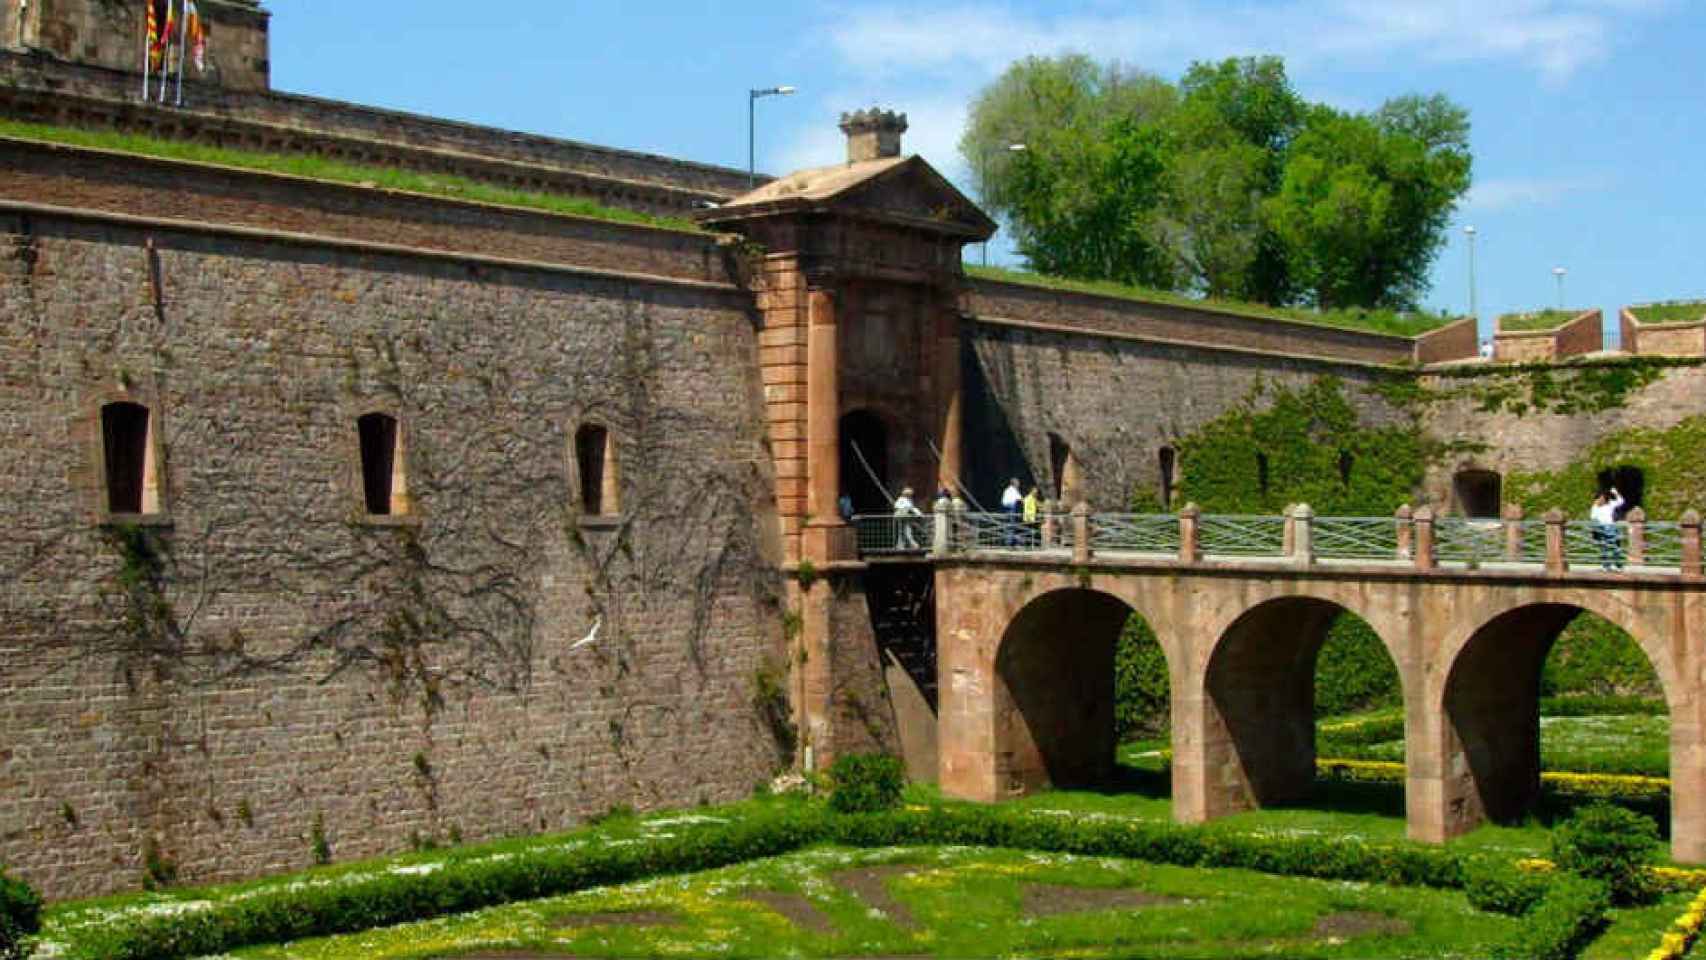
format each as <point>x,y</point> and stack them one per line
<point>200,685</point>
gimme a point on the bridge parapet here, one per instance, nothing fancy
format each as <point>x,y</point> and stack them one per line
<point>1553,545</point>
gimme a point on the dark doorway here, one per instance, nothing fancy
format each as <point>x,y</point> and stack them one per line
<point>865,461</point>
<point>1168,463</point>
<point>378,460</point>
<point>1058,453</point>
<point>1479,493</point>
<point>1630,482</point>
<point>124,429</point>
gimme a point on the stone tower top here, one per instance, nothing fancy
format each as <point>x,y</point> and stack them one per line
<point>108,34</point>
<point>872,134</point>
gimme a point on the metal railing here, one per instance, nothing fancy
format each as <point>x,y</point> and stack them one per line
<point>1135,532</point>
<point>878,533</point>
<point>1356,538</point>
<point>1457,541</point>
<point>1242,536</point>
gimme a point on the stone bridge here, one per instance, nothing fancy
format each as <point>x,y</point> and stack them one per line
<point>1026,637</point>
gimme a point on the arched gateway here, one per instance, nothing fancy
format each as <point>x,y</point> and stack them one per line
<point>1025,657</point>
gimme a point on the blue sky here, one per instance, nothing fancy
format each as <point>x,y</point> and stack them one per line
<point>1589,115</point>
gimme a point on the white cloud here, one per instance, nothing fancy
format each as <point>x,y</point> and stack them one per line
<point>1508,193</point>
<point>1555,38</point>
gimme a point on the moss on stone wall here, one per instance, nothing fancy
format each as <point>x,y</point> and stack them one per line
<point>1672,462</point>
<point>1282,446</point>
<point>1593,386</point>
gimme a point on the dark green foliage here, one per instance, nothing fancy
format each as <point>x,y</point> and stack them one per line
<point>1672,461</point>
<point>1354,672</point>
<point>318,845</point>
<point>1611,845</point>
<point>1141,690</point>
<point>865,783</point>
<point>1228,185</point>
<point>1574,705</point>
<point>1593,657</point>
<point>1566,920</point>
<point>1317,452</point>
<point>1592,387</point>
<point>1499,887</point>
<point>20,916</point>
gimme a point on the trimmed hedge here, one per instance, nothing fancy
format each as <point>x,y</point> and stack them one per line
<point>1563,920</point>
<point>294,913</point>
<point>865,783</point>
<point>1611,845</point>
<point>1567,919</point>
<point>1500,887</point>
<point>20,916</point>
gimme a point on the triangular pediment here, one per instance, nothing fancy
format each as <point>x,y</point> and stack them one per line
<point>913,190</point>
<point>902,189</point>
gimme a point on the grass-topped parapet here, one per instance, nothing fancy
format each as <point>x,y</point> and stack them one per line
<point>1669,312</point>
<point>1389,322</point>
<point>1536,321</point>
<point>313,167</point>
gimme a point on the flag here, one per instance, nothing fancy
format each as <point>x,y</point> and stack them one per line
<point>198,36</point>
<point>159,32</point>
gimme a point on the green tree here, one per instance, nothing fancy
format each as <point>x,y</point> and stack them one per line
<point>1076,197</point>
<point>1365,200</point>
<point>1228,185</point>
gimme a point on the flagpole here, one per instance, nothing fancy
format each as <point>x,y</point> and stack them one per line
<point>183,44</point>
<point>147,12</point>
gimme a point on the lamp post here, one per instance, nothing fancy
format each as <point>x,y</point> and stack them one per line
<point>1469,232</point>
<point>1011,148</point>
<point>1559,272</point>
<point>751,141</point>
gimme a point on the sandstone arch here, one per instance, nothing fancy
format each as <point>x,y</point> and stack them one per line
<point>1054,691</point>
<point>1253,722</point>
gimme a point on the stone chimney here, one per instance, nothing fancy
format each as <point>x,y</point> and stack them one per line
<point>873,134</point>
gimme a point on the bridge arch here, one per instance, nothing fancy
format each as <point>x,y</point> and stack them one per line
<point>1054,690</point>
<point>1248,739</point>
<point>1489,702</point>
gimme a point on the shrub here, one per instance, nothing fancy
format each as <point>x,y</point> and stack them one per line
<point>1141,686</point>
<point>1612,845</point>
<point>865,783</point>
<point>20,916</point>
<point>1499,887</point>
<point>1565,920</point>
<point>1353,671</point>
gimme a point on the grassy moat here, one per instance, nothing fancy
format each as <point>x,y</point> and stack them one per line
<point>908,900</point>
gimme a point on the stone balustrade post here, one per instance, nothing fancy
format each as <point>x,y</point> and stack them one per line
<point>1424,545</point>
<point>1288,539</point>
<point>956,525</point>
<point>1302,535</point>
<point>1190,534</point>
<point>1691,546</point>
<point>939,531</point>
<point>1513,531</point>
<point>1081,533</point>
<point>1637,536</point>
<point>1050,524</point>
<point>1406,529</point>
<point>1557,562</point>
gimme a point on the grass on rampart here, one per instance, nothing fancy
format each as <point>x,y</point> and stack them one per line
<point>1391,322</point>
<point>1679,311</point>
<point>1537,320</point>
<point>321,168</point>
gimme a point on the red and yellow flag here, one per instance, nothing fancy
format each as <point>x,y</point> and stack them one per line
<point>161,22</point>
<point>197,36</point>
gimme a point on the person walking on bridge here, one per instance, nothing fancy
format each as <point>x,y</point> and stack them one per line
<point>1604,515</point>
<point>905,514</point>
<point>1011,499</point>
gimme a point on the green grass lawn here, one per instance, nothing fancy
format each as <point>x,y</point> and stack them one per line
<point>1638,745</point>
<point>1374,321</point>
<point>1537,320</point>
<point>1681,312</point>
<point>951,902</point>
<point>320,168</point>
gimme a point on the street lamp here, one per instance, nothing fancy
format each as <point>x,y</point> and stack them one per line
<point>1469,232</point>
<point>1559,273</point>
<point>751,144</point>
<point>1011,148</point>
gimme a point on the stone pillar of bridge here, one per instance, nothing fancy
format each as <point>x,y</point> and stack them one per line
<point>968,634</point>
<point>824,535</point>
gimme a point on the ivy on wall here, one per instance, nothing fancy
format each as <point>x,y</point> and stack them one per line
<point>1281,446</point>
<point>1672,461</point>
<point>1564,389</point>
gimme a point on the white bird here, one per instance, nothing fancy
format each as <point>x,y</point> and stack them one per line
<point>591,635</point>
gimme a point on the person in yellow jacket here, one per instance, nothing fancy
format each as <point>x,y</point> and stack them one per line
<point>1028,512</point>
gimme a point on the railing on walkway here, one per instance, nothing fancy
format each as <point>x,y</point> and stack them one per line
<point>1409,538</point>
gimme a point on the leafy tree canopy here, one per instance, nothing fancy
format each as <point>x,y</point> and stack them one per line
<point>1227,184</point>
